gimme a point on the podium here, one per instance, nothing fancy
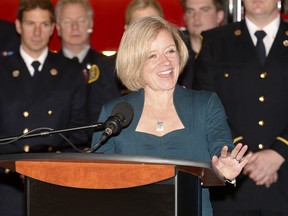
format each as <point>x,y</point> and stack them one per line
<point>109,185</point>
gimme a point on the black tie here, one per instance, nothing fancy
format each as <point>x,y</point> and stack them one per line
<point>260,47</point>
<point>35,65</point>
<point>76,59</point>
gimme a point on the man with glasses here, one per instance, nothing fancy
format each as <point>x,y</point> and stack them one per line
<point>74,20</point>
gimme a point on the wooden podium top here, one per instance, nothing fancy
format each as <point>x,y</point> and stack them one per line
<point>103,171</point>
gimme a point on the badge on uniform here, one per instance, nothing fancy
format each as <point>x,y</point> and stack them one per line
<point>15,73</point>
<point>94,73</point>
<point>237,32</point>
<point>53,72</point>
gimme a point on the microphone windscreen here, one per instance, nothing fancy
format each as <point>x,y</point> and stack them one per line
<point>126,110</point>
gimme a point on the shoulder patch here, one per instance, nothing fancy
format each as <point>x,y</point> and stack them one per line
<point>94,73</point>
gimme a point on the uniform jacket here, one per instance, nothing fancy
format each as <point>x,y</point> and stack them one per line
<point>254,98</point>
<point>55,100</point>
<point>9,39</point>
<point>186,78</point>
<point>102,84</point>
<point>105,87</point>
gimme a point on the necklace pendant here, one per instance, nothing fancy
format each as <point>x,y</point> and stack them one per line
<point>160,126</point>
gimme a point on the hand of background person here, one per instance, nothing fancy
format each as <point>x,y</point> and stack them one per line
<point>263,166</point>
<point>273,178</point>
<point>230,164</point>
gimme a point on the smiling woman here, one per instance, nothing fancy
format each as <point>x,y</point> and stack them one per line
<point>109,20</point>
<point>169,121</point>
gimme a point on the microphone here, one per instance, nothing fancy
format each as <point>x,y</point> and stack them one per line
<point>122,115</point>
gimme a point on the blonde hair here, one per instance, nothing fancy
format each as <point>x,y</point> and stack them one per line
<point>141,4</point>
<point>134,49</point>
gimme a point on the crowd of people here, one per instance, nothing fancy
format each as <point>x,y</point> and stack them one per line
<point>214,92</point>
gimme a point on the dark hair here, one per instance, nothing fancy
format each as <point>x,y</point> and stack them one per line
<point>27,5</point>
<point>219,4</point>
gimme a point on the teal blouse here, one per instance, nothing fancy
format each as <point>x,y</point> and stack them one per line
<point>205,131</point>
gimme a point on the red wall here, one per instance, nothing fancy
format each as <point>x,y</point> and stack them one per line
<point>108,20</point>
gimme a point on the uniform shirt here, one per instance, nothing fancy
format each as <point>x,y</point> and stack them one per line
<point>28,60</point>
<point>270,30</point>
<point>80,55</point>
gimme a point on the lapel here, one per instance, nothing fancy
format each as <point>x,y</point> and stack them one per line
<point>245,49</point>
<point>136,99</point>
<point>49,75</point>
<point>21,76</point>
<point>279,47</point>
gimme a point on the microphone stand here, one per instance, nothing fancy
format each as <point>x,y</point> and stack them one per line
<point>98,126</point>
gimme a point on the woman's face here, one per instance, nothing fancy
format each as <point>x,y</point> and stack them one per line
<point>161,68</point>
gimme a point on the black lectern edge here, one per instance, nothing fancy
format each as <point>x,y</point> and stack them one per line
<point>109,157</point>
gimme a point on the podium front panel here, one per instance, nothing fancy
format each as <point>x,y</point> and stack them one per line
<point>47,199</point>
<point>188,194</point>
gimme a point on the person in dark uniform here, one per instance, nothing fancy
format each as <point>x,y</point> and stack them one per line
<point>39,89</point>
<point>250,75</point>
<point>9,39</point>
<point>74,25</point>
<point>199,16</point>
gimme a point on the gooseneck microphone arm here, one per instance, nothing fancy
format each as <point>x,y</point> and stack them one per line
<point>122,115</point>
<point>48,132</point>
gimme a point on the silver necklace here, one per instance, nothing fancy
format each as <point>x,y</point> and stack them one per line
<point>159,123</point>
<point>159,126</point>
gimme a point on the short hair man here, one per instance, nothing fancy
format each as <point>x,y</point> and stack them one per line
<point>74,20</point>
<point>199,16</point>
<point>38,89</point>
